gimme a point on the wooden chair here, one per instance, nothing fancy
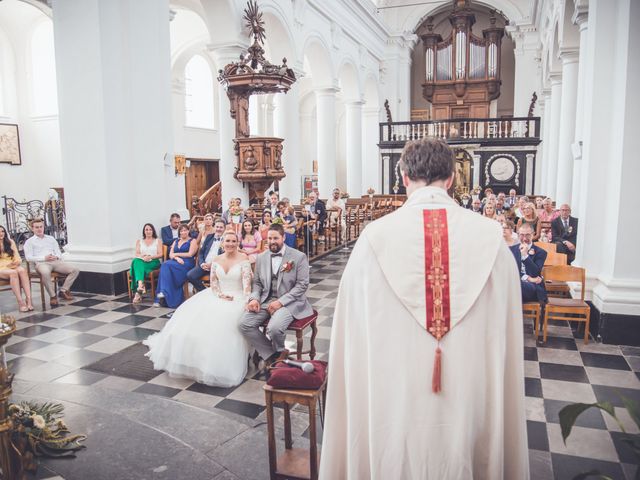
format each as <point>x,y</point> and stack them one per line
<point>556,289</point>
<point>533,310</point>
<point>546,246</point>
<point>34,276</point>
<point>561,308</point>
<point>151,280</point>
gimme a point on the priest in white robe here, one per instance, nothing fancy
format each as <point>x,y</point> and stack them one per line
<point>426,369</point>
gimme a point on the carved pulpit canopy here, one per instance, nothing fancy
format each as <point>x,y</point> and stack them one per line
<point>259,159</point>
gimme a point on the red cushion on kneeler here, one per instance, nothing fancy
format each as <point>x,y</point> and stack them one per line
<point>300,323</point>
<point>284,376</point>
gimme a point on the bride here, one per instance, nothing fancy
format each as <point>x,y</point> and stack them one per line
<point>202,340</point>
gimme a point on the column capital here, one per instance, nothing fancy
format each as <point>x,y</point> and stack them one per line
<point>555,78</point>
<point>569,55</point>
<point>354,103</point>
<point>580,15</point>
<point>226,53</point>
<point>326,91</point>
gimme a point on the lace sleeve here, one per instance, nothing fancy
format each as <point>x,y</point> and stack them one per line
<point>246,278</point>
<point>215,283</point>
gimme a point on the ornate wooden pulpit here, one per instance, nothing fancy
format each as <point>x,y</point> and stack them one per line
<point>258,158</point>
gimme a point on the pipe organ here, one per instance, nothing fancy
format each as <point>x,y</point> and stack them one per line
<point>462,73</point>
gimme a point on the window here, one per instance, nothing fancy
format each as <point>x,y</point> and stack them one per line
<point>43,70</point>
<point>198,100</point>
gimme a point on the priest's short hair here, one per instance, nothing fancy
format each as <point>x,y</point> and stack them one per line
<point>427,159</point>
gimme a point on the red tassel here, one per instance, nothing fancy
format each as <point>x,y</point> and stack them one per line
<point>436,383</point>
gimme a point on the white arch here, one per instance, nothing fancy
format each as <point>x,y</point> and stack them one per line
<point>414,17</point>
<point>319,58</point>
<point>280,41</point>
<point>349,81</point>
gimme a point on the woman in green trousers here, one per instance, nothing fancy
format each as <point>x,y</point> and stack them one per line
<point>147,259</point>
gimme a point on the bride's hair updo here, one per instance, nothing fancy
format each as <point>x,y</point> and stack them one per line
<point>229,231</point>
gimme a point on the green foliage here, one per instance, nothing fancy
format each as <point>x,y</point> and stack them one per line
<point>569,414</point>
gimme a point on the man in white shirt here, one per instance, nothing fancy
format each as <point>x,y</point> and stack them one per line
<point>336,203</point>
<point>43,250</point>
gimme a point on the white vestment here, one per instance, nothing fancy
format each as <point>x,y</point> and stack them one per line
<point>383,420</point>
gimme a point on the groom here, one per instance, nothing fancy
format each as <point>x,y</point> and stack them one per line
<point>279,285</point>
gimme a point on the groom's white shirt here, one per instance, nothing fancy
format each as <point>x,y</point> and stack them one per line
<point>277,261</point>
<point>383,419</point>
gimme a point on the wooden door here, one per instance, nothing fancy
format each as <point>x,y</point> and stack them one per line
<point>201,175</point>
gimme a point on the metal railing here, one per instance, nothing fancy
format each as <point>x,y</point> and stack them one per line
<point>18,216</point>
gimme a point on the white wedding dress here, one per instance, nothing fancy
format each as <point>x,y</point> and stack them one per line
<point>202,340</point>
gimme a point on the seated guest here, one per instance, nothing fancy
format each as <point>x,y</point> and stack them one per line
<point>487,193</point>
<point>147,259</point>
<point>548,215</point>
<point>530,260</point>
<point>465,200</point>
<point>490,211</point>
<point>501,208</point>
<point>538,204</point>
<point>273,204</point>
<point>43,250</point>
<point>265,223</point>
<point>11,269</point>
<point>336,203</point>
<point>206,229</point>
<point>565,233</point>
<point>173,272</point>
<point>250,240</point>
<point>511,200</point>
<point>508,233</point>
<point>289,224</point>
<point>233,214</point>
<point>210,248</point>
<point>529,216</point>
<point>520,205</point>
<point>317,212</point>
<point>170,232</point>
<point>476,206</point>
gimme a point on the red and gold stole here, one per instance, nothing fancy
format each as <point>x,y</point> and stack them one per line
<point>436,264</point>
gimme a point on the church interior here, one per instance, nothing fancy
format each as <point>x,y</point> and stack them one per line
<point>119,113</point>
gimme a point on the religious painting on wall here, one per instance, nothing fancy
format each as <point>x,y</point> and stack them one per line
<point>9,144</point>
<point>309,184</point>
<point>463,175</point>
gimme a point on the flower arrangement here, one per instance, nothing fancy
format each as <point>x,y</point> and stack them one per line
<point>287,267</point>
<point>38,430</point>
<point>277,221</point>
<point>235,210</point>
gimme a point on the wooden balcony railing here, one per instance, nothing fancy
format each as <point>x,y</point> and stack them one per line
<point>499,131</point>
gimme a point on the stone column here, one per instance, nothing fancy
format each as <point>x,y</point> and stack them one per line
<point>371,166</point>
<point>287,126</point>
<point>117,174</point>
<point>527,42</point>
<point>580,18</point>
<point>553,136</point>
<point>567,125</point>
<point>354,147</point>
<point>542,166</point>
<point>326,138</point>
<point>268,109</point>
<point>607,229</point>
<point>231,187</point>
<point>398,64</point>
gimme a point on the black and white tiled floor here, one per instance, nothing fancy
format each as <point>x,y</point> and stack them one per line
<point>55,347</point>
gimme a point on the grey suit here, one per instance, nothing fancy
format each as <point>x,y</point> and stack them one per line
<point>291,288</point>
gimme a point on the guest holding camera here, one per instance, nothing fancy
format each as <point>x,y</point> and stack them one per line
<point>173,273</point>
<point>11,269</point>
<point>147,259</point>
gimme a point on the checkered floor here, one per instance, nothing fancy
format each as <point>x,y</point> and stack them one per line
<point>57,345</point>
